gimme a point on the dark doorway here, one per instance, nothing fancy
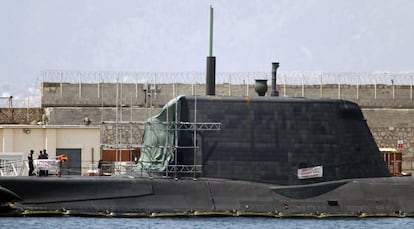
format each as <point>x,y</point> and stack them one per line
<point>73,165</point>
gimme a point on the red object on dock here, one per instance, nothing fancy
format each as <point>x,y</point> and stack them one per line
<point>393,160</point>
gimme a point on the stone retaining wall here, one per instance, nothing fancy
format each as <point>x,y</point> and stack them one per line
<point>390,125</point>
<point>20,115</point>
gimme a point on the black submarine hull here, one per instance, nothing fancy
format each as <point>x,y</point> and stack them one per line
<point>151,197</point>
<point>253,165</point>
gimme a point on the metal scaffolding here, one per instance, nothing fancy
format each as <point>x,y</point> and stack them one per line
<point>176,127</point>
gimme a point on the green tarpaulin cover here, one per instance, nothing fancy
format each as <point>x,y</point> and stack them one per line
<point>158,140</point>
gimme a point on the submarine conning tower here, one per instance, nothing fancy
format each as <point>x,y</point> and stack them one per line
<point>279,140</point>
<point>276,139</point>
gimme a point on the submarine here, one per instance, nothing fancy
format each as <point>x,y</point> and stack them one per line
<point>234,156</point>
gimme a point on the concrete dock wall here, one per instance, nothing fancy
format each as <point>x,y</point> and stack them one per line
<point>156,95</point>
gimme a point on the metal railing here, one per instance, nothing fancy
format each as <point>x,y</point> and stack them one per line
<point>12,168</point>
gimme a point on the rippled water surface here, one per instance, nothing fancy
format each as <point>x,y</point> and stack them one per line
<point>194,222</point>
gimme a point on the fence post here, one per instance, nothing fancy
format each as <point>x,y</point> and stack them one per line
<point>411,87</point>
<point>303,85</point>
<point>247,85</point>
<point>99,85</point>
<point>229,84</point>
<point>28,111</point>
<point>41,85</point>
<point>339,89</point>
<point>192,86</point>
<point>80,86</point>
<point>375,87</point>
<point>174,86</point>
<point>339,86</point>
<point>320,85</point>
<point>357,88</point>
<point>61,84</point>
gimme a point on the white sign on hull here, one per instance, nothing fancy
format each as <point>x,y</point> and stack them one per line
<point>311,172</point>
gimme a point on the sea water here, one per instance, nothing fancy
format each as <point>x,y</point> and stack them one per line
<point>201,222</point>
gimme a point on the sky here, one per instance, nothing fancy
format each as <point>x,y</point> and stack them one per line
<point>172,36</point>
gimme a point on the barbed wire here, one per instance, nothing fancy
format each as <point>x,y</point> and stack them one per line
<point>283,77</point>
<point>33,98</point>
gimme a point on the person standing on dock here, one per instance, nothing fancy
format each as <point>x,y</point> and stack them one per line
<point>45,156</point>
<point>41,171</point>
<point>31,167</point>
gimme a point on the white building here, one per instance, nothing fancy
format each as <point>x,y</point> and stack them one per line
<point>80,143</point>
